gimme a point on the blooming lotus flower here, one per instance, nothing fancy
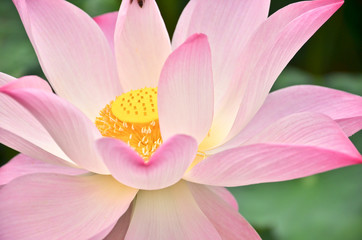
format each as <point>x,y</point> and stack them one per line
<point>143,135</point>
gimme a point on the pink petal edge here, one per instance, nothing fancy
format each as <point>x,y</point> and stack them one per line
<point>166,166</point>
<point>227,220</point>
<point>107,22</point>
<point>41,206</point>
<point>21,165</point>
<point>74,133</point>
<point>142,44</point>
<point>169,213</point>
<point>73,52</point>
<point>286,31</point>
<point>185,91</point>
<point>296,146</point>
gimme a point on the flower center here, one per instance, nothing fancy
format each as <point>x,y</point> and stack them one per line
<point>133,118</point>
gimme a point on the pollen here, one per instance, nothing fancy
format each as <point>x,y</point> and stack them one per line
<point>133,118</point>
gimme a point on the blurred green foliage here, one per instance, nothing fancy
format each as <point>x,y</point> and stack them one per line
<point>327,206</point>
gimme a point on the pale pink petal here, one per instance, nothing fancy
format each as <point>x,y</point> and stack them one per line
<point>350,125</point>
<point>107,22</point>
<point>227,220</point>
<point>4,78</point>
<point>228,25</point>
<point>345,108</point>
<point>22,165</point>
<point>21,131</point>
<point>120,229</point>
<point>296,146</point>
<point>103,233</point>
<point>225,195</point>
<point>74,133</point>
<point>270,49</point>
<point>30,148</point>
<point>73,52</point>
<point>166,166</point>
<point>27,82</point>
<point>170,213</point>
<point>141,44</point>
<point>309,129</point>
<point>259,163</point>
<point>185,91</point>
<point>42,206</point>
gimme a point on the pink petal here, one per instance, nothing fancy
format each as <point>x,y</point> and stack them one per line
<point>120,229</point>
<point>350,125</point>
<point>227,220</point>
<point>117,230</point>
<point>296,146</point>
<point>21,131</point>
<point>4,79</point>
<point>30,148</point>
<point>273,45</point>
<point>170,213</point>
<point>107,22</point>
<point>73,52</point>
<point>225,195</point>
<point>22,165</point>
<point>185,91</point>
<point>141,43</point>
<point>103,233</point>
<point>27,82</point>
<point>228,25</point>
<point>166,166</point>
<point>260,163</point>
<point>312,129</point>
<point>345,108</point>
<point>42,206</point>
<point>74,133</point>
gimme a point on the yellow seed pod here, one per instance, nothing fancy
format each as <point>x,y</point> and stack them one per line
<point>137,106</point>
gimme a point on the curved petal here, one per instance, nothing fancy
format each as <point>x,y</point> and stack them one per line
<point>185,92</point>
<point>345,108</point>
<point>102,234</point>
<point>227,220</point>
<point>169,213</point>
<point>21,131</point>
<point>107,22</point>
<point>120,229</point>
<point>4,79</point>
<point>71,129</point>
<point>117,230</point>
<point>350,125</point>
<point>30,148</point>
<point>260,163</point>
<point>228,25</point>
<point>166,166</point>
<point>312,129</point>
<point>27,82</point>
<point>296,146</point>
<point>22,165</point>
<point>225,195</point>
<point>41,206</point>
<point>262,61</point>
<point>141,44</point>
<point>73,52</point>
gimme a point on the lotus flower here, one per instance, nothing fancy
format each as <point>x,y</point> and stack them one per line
<point>143,135</point>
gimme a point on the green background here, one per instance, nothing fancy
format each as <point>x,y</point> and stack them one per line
<point>324,206</point>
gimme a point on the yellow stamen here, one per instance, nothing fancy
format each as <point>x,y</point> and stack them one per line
<point>133,118</point>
